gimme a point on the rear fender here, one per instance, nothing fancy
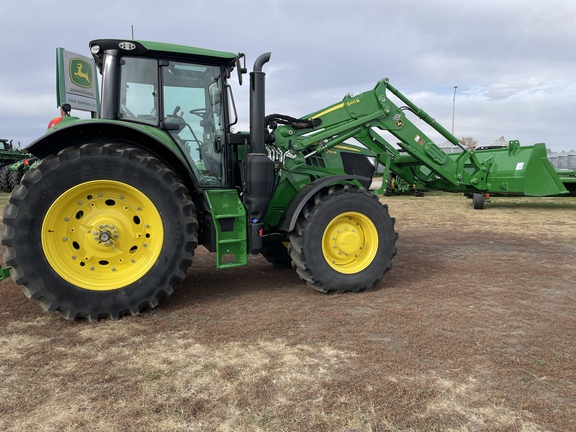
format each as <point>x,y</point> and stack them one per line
<point>152,140</point>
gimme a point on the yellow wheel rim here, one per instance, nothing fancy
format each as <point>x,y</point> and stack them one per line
<point>102,235</point>
<point>350,242</point>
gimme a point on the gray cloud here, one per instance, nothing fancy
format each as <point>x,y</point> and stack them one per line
<point>513,61</point>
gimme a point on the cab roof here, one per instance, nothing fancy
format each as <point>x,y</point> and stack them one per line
<point>160,50</point>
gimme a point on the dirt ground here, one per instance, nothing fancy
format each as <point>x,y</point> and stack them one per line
<point>472,330</point>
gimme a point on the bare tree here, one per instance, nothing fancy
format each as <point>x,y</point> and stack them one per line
<point>468,142</point>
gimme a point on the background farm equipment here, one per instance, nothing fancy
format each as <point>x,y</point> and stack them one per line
<point>566,177</point>
<point>13,164</point>
<point>533,180</point>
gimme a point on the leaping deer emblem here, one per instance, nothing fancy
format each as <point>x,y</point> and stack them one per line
<point>80,74</point>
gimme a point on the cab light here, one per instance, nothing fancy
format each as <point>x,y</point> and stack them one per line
<point>128,46</point>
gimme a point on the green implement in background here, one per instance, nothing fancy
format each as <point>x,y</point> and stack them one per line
<point>4,273</point>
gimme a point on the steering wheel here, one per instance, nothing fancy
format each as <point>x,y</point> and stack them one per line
<point>200,112</point>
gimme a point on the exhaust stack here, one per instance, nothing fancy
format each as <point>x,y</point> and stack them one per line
<point>259,169</point>
<point>257,104</point>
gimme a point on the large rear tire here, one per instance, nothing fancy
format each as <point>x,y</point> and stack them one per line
<point>343,241</point>
<point>99,231</point>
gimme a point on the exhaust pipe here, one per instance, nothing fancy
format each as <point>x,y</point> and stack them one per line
<point>259,169</point>
<point>257,104</point>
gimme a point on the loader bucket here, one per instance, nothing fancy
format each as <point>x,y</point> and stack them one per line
<point>521,170</point>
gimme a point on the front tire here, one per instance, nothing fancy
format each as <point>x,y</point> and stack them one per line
<point>343,241</point>
<point>99,231</point>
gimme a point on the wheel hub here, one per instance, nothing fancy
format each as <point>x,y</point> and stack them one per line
<point>347,241</point>
<point>105,234</point>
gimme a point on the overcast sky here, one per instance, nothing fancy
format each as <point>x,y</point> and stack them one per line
<point>514,61</point>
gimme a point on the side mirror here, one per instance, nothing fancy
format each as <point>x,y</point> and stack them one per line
<point>241,70</point>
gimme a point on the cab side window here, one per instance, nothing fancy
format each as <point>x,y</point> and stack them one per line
<point>139,95</point>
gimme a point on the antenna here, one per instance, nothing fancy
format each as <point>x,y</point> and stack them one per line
<point>132,31</point>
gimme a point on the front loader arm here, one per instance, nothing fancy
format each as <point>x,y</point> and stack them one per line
<point>361,118</point>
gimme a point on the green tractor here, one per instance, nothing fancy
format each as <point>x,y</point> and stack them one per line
<point>13,164</point>
<point>108,222</point>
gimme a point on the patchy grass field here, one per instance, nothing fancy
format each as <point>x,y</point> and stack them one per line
<point>472,330</point>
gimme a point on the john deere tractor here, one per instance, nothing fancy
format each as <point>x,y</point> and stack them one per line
<point>108,222</point>
<point>13,164</point>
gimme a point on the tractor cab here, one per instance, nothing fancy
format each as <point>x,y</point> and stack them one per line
<point>181,90</point>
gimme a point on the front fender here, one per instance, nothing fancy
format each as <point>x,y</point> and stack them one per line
<point>292,211</point>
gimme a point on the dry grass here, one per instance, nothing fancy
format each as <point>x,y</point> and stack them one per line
<point>473,330</point>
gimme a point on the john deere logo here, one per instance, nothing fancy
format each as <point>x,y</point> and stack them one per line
<point>81,73</point>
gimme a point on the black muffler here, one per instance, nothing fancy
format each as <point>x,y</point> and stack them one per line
<point>259,169</point>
